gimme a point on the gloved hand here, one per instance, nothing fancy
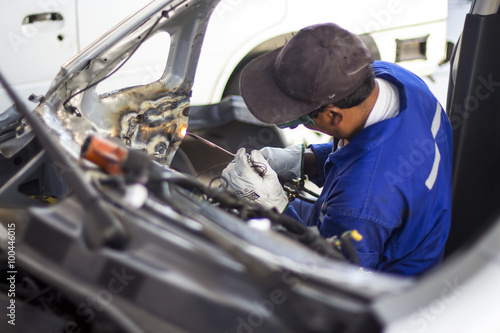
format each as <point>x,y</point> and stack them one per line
<point>251,177</point>
<point>287,162</point>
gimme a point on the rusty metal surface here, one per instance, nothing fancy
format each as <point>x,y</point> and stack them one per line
<point>150,117</point>
<point>156,126</point>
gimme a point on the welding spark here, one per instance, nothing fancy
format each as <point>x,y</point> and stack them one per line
<point>183,131</point>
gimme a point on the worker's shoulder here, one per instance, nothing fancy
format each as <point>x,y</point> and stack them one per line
<point>414,94</point>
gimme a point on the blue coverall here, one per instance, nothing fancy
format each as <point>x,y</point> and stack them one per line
<point>391,182</point>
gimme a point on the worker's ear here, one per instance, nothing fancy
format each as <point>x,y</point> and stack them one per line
<point>333,115</point>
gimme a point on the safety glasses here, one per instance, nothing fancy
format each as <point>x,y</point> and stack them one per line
<point>305,120</point>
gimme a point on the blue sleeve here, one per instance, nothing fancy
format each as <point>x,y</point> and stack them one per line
<point>321,151</point>
<point>371,248</point>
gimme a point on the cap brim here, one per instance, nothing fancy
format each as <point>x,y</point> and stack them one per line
<point>262,95</point>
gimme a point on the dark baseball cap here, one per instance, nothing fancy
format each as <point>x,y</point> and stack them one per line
<point>320,65</point>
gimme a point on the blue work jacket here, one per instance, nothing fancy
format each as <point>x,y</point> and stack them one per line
<point>392,182</point>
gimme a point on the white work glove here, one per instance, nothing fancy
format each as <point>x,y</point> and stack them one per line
<point>251,176</point>
<point>287,162</point>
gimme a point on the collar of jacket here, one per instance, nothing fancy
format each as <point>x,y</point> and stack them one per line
<point>373,136</point>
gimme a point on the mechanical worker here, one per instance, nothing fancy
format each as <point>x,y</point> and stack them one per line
<point>387,171</point>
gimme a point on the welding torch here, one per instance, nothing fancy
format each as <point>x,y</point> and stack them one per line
<point>292,192</point>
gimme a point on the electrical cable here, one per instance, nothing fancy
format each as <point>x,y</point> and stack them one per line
<point>246,210</point>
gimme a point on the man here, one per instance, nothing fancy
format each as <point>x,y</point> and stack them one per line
<point>390,176</point>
